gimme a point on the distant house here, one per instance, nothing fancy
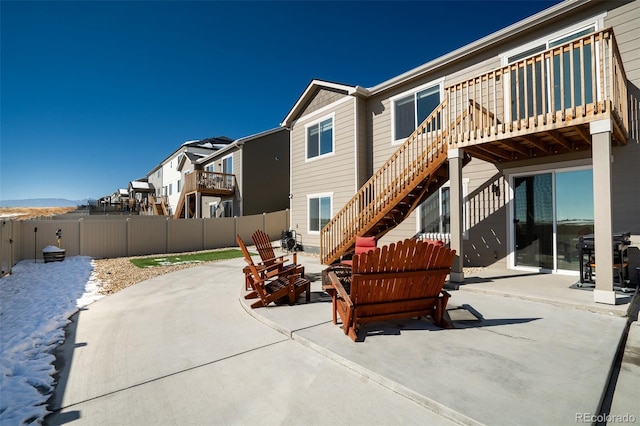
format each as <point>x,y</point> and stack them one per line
<point>510,148</point>
<point>139,191</point>
<point>249,176</point>
<point>168,176</point>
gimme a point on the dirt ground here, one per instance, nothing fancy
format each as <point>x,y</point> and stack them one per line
<point>24,213</point>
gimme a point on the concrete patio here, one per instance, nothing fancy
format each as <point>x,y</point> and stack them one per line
<point>185,348</point>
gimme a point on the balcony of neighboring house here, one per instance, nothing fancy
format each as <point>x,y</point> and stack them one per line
<point>201,183</point>
<point>540,104</point>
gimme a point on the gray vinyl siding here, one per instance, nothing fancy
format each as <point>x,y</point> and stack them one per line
<point>323,98</point>
<point>332,174</point>
<point>264,168</point>
<point>365,163</point>
<point>625,21</point>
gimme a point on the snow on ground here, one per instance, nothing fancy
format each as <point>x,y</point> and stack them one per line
<point>36,302</point>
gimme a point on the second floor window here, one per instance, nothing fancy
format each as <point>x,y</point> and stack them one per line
<point>411,110</point>
<point>227,165</point>
<point>319,137</point>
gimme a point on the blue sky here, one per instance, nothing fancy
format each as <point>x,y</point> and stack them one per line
<point>95,94</point>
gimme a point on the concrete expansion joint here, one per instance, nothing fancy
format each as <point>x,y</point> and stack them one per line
<point>165,376</point>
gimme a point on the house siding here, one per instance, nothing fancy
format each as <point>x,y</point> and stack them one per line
<point>487,231</point>
<point>331,174</point>
<point>625,171</point>
<point>265,173</point>
<point>323,98</point>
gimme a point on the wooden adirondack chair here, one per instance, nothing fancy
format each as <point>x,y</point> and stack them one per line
<point>402,280</point>
<point>272,288</point>
<point>276,265</point>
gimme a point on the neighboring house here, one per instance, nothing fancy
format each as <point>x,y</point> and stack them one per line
<point>139,191</point>
<point>543,115</point>
<point>167,177</point>
<point>120,197</point>
<point>249,176</point>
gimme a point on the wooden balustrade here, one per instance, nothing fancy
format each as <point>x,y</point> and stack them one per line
<point>576,82</point>
<point>567,85</point>
<point>209,183</point>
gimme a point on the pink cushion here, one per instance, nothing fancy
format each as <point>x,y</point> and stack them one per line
<point>365,244</point>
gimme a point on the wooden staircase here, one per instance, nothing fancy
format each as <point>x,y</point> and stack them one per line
<point>180,212</point>
<point>414,172</point>
<point>159,207</point>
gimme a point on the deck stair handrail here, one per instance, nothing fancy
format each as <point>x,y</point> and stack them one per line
<point>416,161</point>
<point>527,96</point>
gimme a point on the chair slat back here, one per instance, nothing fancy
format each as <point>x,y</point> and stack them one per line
<point>409,269</point>
<point>263,245</point>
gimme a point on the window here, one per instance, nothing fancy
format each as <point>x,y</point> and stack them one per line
<point>211,168</point>
<point>227,209</point>
<point>319,211</point>
<point>319,136</point>
<point>227,165</point>
<point>158,175</point>
<point>526,95</point>
<point>435,213</point>
<point>170,189</point>
<point>409,110</point>
<point>179,185</point>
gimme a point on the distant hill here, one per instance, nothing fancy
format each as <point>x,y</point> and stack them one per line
<point>42,202</point>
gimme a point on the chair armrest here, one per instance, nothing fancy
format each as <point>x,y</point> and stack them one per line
<point>279,259</point>
<point>337,285</point>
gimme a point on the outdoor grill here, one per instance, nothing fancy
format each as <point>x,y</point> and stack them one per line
<point>620,243</point>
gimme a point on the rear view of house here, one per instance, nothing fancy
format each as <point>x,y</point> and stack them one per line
<point>511,148</point>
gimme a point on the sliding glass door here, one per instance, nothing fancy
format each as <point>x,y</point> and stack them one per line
<point>551,210</point>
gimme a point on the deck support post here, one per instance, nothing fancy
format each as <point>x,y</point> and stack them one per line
<point>456,156</point>
<point>198,205</point>
<point>602,208</point>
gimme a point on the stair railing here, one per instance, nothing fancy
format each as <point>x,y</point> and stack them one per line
<point>407,167</point>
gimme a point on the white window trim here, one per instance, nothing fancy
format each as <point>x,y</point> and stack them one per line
<point>318,195</point>
<point>331,116</point>
<point>597,22</point>
<point>222,163</point>
<point>466,219</point>
<point>509,175</point>
<point>393,99</point>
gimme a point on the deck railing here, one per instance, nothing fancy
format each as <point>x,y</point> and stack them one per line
<point>576,82</point>
<point>568,84</point>
<point>411,164</point>
<point>213,182</point>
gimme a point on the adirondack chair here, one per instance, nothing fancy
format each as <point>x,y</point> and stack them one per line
<point>275,288</point>
<point>401,280</point>
<point>275,264</point>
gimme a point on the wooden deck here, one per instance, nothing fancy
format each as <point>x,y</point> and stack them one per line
<point>538,106</point>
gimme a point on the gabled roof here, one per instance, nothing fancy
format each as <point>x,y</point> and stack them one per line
<point>141,185</point>
<point>215,142</point>
<point>311,91</point>
<point>237,143</point>
<point>553,12</point>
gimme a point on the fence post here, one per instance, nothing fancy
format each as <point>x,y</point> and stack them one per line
<point>235,226</point>
<point>128,236</point>
<point>166,235</point>
<point>80,234</point>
